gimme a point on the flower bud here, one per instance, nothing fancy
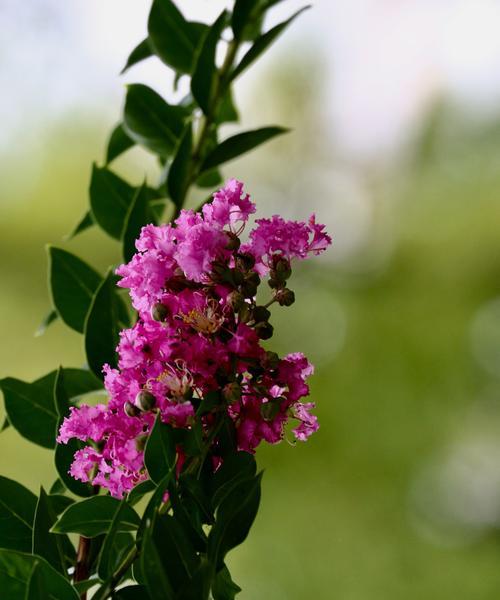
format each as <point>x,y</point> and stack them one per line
<point>250,285</point>
<point>269,410</point>
<point>271,360</point>
<point>285,297</point>
<point>233,241</point>
<point>140,442</point>
<point>237,277</point>
<point>245,261</point>
<point>159,312</point>
<point>130,410</point>
<point>145,400</point>
<point>261,313</point>
<point>264,330</point>
<point>232,392</point>
<point>236,300</point>
<point>245,313</point>
<point>281,269</point>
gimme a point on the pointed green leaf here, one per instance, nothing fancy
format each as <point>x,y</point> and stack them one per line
<point>113,549</point>
<point>209,179</point>
<point>17,511</point>
<point>159,454</point>
<point>49,318</point>
<point>150,121</point>
<point>138,54</point>
<point>72,284</point>
<point>5,425</point>
<point>110,198</point>
<point>153,570</point>
<point>16,571</point>
<point>57,487</point>
<point>84,223</point>
<point>205,71</point>
<point>102,326</point>
<point>224,587</point>
<point>119,142</point>
<point>132,592</point>
<point>46,544</point>
<point>140,490</point>
<point>173,39</point>
<point>235,516</point>
<point>140,213</point>
<point>93,516</point>
<point>262,43</point>
<point>30,408</point>
<point>235,468</point>
<point>227,112</point>
<point>179,174</point>
<point>239,144</point>
<point>63,457</point>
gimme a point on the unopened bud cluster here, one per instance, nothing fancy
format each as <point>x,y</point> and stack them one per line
<point>194,285</point>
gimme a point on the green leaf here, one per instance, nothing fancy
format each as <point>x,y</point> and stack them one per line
<point>179,174</point>
<point>170,559</point>
<point>115,545</point>
<point>17,511</point>
<point>63,457</point>
<point>5,425</point>
<point>59,502</point>
<point>224,587</point>
<point>159,454</point>
<point>246,19</point>
<point>110,198</point>
<point>16,571</point>
<point>57,487</point>
<point>235,516</point>
<point>227,112</point>
<point>84,223</point>
<point>235,468</point>
<point>140,490</point>
<point>154,503</point>
<point>30,408</point>
<point>119,142</point>
<point>209,179</point>
<point>140,213</point>
<point>205,71</point>
<point>173,39</point>
<point>138,54</point>
<point>79,382</point>
<point>132,592</point>
<point>102,326</point>
<point>84,586</point>
<point>150,121</point>
<point>50,318</point>
<point>46,544</point>
<point>73,284</point>
<point>93,516</point>
<point>262,43</point>
<point>239,144</point>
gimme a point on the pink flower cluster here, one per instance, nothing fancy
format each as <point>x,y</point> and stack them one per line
<point>199,330</point>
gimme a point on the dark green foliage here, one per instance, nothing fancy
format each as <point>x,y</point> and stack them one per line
<point>93,516</point>
<point>119,142</point>
<point>31,577</point>
<point>17,511</point>
<point>106,317</point>
<point>73,284</point>
<point>193,517</point>
<point>150,121</point>
<point>239,144</point>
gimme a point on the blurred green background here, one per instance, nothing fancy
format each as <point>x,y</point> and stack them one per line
<point>398,494</point>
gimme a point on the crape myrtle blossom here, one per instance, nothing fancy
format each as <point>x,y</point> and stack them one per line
<point>199,332</point>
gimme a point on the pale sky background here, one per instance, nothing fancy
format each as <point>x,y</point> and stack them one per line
<point>384,61</point>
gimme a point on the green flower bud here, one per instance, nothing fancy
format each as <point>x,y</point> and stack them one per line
<point>245,261</point>
<point>269,410</point>
<point>261,313</point>
<point>264,330</point>
<point>245,313</point>
<point>130,410</point>
<point>281,268</point>
<point>233,241</point>
<point>159,312</point>
<point>237,277</point>
<point>285,297</point>
<point>145,400</point>
<point>271,360</point>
